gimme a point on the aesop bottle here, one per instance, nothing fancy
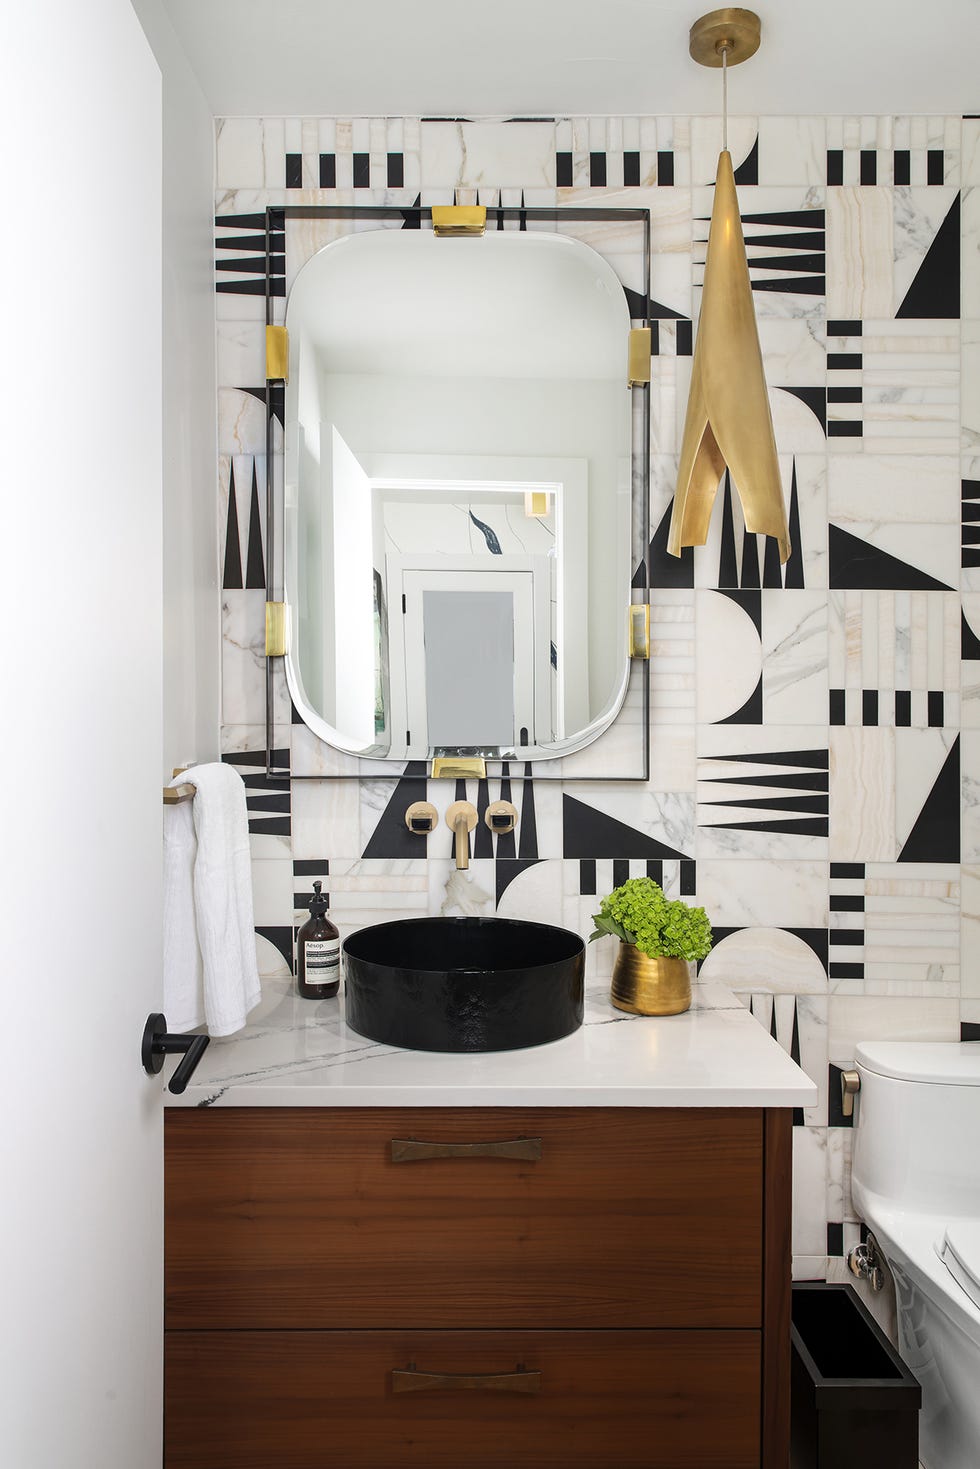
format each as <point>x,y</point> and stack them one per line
<point>318,952</point>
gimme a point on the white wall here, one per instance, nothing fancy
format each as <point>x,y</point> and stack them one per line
<point>80,890</point>
<point>191,571</point>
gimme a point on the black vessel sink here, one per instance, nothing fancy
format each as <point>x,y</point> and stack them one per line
<point>464,984</point>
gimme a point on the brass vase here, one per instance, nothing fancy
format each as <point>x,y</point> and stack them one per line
<point>646,986</point>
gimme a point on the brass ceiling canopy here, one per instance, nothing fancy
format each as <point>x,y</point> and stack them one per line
<point>728,419</point>
<point>738,31</point>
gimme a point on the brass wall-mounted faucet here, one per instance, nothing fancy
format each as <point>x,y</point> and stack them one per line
<point>461,819</point>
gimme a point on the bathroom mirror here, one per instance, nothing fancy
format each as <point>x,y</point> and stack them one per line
<point>457,493</point>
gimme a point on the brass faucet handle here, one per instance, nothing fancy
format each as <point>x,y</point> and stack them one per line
<point>421,818</point>
<point>501,816</point>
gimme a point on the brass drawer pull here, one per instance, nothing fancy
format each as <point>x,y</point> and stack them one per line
<point>415,1381</point>
<point>407,1150</point>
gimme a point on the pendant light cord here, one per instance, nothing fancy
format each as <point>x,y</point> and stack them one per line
<point>724,96</point>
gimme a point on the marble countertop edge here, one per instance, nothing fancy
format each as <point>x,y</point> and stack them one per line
<point>297,1053</point>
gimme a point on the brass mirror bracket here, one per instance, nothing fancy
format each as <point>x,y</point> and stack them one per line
<point>501,816</point>
<point>450,220</point>
<point>275,630</point>
<point>638,371</point>
<point>421,818</point>
<point>276,354</point>
<point>639,623</point>
<point>732,30</point>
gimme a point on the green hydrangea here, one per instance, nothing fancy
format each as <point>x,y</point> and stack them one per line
<point>637,912</point>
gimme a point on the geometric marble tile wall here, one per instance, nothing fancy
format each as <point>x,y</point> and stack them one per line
<point>815,754</point>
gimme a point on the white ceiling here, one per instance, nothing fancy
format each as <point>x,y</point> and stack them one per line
<point>573,57</point>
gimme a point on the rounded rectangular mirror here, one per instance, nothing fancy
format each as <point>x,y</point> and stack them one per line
<point>457,558</point>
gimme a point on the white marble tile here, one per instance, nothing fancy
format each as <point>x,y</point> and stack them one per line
<point>672,758</point>
<point>470,154</point>
<point>665,816</point>
<point>919,213</point>
<point>747,893</point>
<point>240,354</point>
<point>792,150</point>
<point>809,1267</point>
<point>809,1191</point>
<point>855,1018</point>
<point>326,819</point>
<point>729,656</point>
<point>272,891</point>
<point>862,795</point>
<point>970,795</point>
<point>970,933</point>
<point>891,489</point>
<point>312,756</point>
<point>271,965</point>
<point>919,757</point>
<point>536,895</point>
<point>241,423</point>
<point>243,657</point>
<point>706,144</point>
<point>794,649</point>
<point>766,961</point>
<point>970,151</point>
<point>455,894</point>
<point>970,385</point>
<point>860,253</point>
<point>239,153</point>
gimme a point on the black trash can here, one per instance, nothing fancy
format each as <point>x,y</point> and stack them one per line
<point>855,1404</point>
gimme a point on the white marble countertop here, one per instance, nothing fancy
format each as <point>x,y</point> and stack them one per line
<point>300,1053</point>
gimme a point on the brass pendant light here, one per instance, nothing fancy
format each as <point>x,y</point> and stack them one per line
<point>728,419</point>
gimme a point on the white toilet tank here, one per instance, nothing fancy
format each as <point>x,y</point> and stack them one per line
<point>917,1126</point>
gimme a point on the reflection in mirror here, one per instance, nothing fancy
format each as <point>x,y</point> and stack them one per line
<point>457,494</point>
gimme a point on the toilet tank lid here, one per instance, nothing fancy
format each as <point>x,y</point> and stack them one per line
<point>943,1063</point>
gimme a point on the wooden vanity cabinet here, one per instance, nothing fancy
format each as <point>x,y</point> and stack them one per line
<point>373,1288</point>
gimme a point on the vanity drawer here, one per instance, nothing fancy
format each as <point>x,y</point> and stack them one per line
<point>300,1218</point>
<point>600,1400</point>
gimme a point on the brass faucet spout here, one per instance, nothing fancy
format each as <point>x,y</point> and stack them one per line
<point>461,819</point>
<point>461,843</point>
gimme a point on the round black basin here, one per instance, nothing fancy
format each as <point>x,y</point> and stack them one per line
<point>464,984</point>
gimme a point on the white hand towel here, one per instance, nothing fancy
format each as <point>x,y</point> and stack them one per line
<point>210,973</point>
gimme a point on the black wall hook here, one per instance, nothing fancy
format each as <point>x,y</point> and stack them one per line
<point>157,1043</point>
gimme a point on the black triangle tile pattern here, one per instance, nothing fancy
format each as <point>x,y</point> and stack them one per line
<point>267,801</point>
<point>249,240</point>
<point>231,579</point>
<point>391,837</point>
<point>970,517</point>
<point>935,836</point>
<point>507,840</point>
<point>969,641</point>
<point>666,570</point>
<point>794,570</point>
<point>856,564</point>
<point>528,826</point>
<point>935,292</point>
<point>797,238</point>
<point>588,832</point>
<point>805,813</point>
<point>748,170</point>
<point>255,562</point>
